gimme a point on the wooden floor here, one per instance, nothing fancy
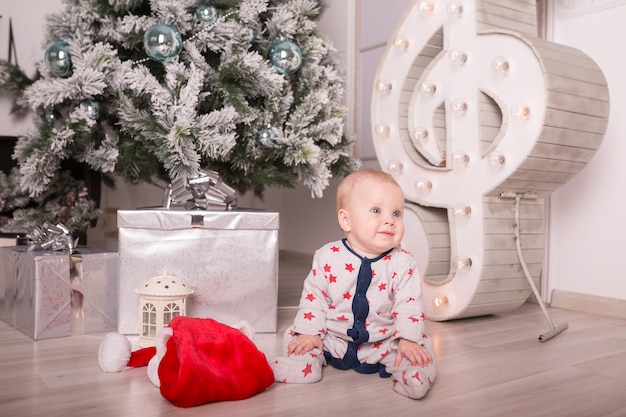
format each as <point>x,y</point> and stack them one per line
<point>487,366</point>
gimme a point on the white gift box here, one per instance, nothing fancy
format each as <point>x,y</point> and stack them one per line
<point>229,258</point>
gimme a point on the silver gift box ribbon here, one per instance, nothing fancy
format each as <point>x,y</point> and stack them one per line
<point>51,237</point>
<point>200,193</point>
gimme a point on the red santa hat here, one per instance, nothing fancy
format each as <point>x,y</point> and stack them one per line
<point>195,361</point>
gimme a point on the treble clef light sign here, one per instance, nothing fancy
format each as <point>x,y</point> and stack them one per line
<point>469,117</point>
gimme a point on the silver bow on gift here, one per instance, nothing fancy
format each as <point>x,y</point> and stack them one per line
<point>50,237</point>
<point>200,192</point>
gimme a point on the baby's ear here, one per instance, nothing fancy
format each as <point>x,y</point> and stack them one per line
<point>344,220</point>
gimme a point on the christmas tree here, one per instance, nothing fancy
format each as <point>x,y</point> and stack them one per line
<point>164,89</point>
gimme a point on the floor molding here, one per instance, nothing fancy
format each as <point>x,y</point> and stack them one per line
<point>591,304</point>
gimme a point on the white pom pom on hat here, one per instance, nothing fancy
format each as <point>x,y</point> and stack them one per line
<point>114,352</point>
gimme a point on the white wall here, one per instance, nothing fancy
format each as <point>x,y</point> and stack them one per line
<point>587,222</point>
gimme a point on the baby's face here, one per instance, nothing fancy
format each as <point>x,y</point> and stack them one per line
<point>375,215</point>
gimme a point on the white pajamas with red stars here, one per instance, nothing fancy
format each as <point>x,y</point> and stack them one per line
<point>360,316</point>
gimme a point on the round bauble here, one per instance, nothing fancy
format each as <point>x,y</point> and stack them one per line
<point>285,56</point>
<point>91,108</point>
<point>267,137</point>
<point>58,59</point>
<point>162,42</point>
<point>207,15</point>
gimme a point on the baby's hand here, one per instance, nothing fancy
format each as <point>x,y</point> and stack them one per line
<point>414,352</point>
<point>304,343</point>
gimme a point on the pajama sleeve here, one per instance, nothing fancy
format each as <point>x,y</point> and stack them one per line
<point>311,316</point>
<point>408,309</point>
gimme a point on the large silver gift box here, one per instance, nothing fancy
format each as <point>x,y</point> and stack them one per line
<point>229,258</point>
<point>47,294</point>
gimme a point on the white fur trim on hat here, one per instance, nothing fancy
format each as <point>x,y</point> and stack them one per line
<point>161,347</point>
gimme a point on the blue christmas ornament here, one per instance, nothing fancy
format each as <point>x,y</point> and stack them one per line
<point>207,14</point>
<point>57,58</point>
<point>285,56</point>
<point>91,108</point>
<point>162,42</point>
<point>267,137</point>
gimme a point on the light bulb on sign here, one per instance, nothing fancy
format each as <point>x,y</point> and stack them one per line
<point>461,263</point>
<point>423,185</point>
<point>459,106</point>
<point>430,89</point>
<point>497,159</point>
<point>401,43</point>
<point>426,7</point>
<point>521,112</point>
<point>462,211</point>
<point>441,301</point>
<point>460,159</point>
<point>500,65</point>
<point>395,167</point>
<point>420,134</point>
<point>383,87</point>
<point>457,57</point>
<point>455,9</point>
<point>382,131</point>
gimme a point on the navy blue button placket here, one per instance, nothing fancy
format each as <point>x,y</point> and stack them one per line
<point>360,309</point>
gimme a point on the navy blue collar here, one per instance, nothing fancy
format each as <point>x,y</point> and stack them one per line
<point>362,258</point>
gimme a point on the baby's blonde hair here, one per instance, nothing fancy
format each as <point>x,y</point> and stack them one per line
<point>346,187</point>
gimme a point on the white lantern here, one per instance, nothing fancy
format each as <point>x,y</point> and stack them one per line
<point>161,298</point>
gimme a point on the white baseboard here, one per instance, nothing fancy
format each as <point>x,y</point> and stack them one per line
<point>591,304</point>
<point>7,241</point>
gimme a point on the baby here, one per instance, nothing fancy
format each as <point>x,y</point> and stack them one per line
<point>361,306</point>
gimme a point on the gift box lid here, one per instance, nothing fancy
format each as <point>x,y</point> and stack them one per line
<point>177,219</point>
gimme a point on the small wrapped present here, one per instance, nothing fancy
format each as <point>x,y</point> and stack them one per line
<point>228,257</point>
<point>50,294</point>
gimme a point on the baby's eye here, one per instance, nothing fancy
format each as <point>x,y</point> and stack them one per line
<point>376,210</point>
<point>397,213</point>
